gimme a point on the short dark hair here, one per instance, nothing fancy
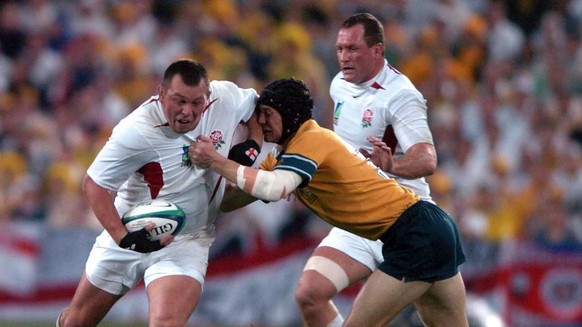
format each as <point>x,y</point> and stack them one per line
<point>373,28</point>
<point>191,71</point>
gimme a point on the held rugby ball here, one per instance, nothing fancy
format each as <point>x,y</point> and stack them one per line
<point>169,218</point>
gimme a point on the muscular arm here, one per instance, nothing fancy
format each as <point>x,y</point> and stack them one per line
<point>410,123</point>
<point>265,185</point>
<point>420,160</point>
<point>101,202</point>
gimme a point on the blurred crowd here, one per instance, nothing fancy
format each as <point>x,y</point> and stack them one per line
<point>502,79</point>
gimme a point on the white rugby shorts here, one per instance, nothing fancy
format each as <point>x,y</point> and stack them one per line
<point>361,249</point>
<point>116,270</point>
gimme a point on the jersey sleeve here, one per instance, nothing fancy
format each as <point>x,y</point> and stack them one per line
<point>303,155</point>
<point>123,154</point>
<point>408,117</point>
<point>269,162</point>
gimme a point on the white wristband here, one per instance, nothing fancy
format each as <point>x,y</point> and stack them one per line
<point>240,177</point>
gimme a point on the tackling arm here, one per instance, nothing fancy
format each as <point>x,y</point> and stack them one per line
<point>265,185</point>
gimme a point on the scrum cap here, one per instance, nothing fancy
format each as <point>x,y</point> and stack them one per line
<point>291,98</point>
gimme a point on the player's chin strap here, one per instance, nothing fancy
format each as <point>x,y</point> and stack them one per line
<point>245,153</point>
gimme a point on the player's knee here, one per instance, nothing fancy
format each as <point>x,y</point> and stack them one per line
<point>161,321</point>
<point>313,291</point>
<point>165,318</point>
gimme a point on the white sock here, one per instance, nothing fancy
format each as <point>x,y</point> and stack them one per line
<point>337,321</point>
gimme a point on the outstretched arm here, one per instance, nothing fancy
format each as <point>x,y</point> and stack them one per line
<point>265,185</point>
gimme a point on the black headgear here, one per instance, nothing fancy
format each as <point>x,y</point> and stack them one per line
<point>292,100</point>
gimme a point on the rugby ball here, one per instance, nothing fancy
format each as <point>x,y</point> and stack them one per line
<point>169,218</point>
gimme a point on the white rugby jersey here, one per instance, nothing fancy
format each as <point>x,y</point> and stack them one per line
<point>144,159</point>
<point>388,107</point>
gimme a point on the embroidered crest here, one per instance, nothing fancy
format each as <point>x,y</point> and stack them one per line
<point>337,111</point>
<point>216,138</point>
<point>185,158</point>
<point>367,118</point>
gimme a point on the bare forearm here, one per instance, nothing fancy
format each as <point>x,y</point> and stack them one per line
<point>416,164</point>
<point>102,205</point>
<point>265,185</point>
<point>225,167</point>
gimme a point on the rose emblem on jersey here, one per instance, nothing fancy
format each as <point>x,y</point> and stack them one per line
<point>216,138</point>
<point>367,118</point>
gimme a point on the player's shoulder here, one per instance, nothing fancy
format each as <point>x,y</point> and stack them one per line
<point>311,134</point>
<point>147,114</point>
<point>142,123</point>
<point>397,81</point>
<point>231,96</point>
<point>224,87</point>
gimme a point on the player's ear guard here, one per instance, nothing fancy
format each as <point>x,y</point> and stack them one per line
<point>138,241</point>
<point>245,153</point>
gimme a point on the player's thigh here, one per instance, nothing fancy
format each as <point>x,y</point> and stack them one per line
<point>173,298</point>
<point>354,269</point>
<point>381,299</point>
<point>327,272</point>
<point>444,303</point>
<point>89,305</point>
<point>356,256</point>
<point>178,269</point>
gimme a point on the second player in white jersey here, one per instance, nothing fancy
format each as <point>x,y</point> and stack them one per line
<point>388,107</point>
<point>371,99</point>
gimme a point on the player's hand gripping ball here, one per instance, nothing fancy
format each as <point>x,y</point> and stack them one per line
<point>168,219</point>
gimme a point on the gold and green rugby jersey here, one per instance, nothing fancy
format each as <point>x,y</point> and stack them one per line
<point>339,184</point>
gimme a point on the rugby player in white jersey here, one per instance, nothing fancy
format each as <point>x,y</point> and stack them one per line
<point>372,99</point>
<point>145,158</point>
